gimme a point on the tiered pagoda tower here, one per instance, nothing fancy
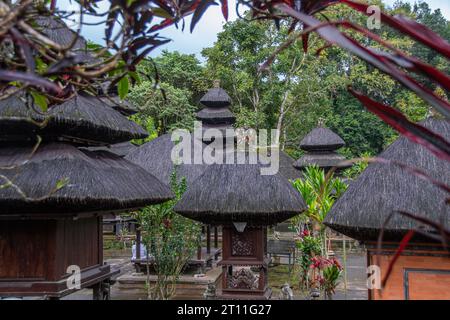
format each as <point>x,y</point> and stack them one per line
<point>321,145</point>
<point>216,114</point>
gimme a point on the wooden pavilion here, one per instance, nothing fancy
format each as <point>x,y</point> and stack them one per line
<point>244,202</point>
<point>55,191</point>
<point>372,203</point>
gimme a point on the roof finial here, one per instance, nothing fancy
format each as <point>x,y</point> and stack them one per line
<point>216,83</point>
<point>321,122</point>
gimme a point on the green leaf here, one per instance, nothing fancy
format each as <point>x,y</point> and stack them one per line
<point>40,100</point>
<point>159,12</point>
<point>61,183</point>
<point>135,76</point>
<point>123,87</point>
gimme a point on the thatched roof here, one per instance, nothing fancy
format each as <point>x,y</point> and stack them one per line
<point>87,117</point>
<point>96,181</point>
<point>325,160</point>
<point>123,106</point>
<point>321,138</point>
<point>216,98</point>
<point>83,117</point>
<point>155,157</point>
<point>223,128</point>
<point>320,145</point>
<point>239,193</point>
<point>120,149</point>
<point>216,115</point>
<point>15,120</point>
<point>383,189</point>
<point>287,168</point>
<point>59,32</point>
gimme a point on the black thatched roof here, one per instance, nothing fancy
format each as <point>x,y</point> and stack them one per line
<point>321,138</point>
<point>320,145</point>
<point>123,106</point>
<point>239,193</point>
<point>223,128</point>
<point>325,160</point>
<point>87,117</point>
<point>287,168</point>
<point>15,120</point>
<point>97,181</point>
<point>216,98</point>
<point>83,117</point>
<point>216,116</point>
<point>155,157</point>
<point>383,189</point>
<point>120,149</point>
<point>57,31</point>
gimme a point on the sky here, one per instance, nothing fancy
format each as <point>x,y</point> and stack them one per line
<point>205,33</point>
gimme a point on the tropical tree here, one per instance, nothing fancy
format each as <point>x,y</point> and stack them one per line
<point>170,240</point>
<point>167,109</point>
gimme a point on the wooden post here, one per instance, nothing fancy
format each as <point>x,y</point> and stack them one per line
<point>216,237</point>
<point>208,239</point>
<point>138,242</point>
<point>199,253</point>
<point>137,264</point>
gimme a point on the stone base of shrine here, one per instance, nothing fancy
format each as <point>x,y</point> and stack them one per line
<point>188,286</point>
<point>266,295</point>
<point>94,277</point>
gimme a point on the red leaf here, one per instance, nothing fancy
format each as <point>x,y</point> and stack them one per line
<point>162,25</point>
<point>224,8</point>
<point>414,132</point>
<point>400,58</point>
<point>31,79</point>
<point>405,241</point>
<point>412,28</point>
<point>438,227</point>
<point>200,10</point>
<point>305,39</point>
<point>332,35</point>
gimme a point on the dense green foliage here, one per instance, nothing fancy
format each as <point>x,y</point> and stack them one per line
<point>171,240</point>
<point>320,191</point>
<point>297,88</point>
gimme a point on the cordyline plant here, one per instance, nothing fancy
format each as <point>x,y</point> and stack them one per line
<point>31,61</point>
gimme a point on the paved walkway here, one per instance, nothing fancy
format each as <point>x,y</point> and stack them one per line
<point>356,281</point>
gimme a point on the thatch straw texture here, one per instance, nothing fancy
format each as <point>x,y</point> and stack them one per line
<point>239,193</point>
<point>123,106</point>
<point>383,189</point>
<point>83,117</point>
<point>155,157</point>
<point>59,32</point>
<point>87,117</point>
<point>226,130</point>
<point>321,139</point>
<point>216,98</point>
<point>96,181</point>
<point>120,149</point>
<point>287,168</point>
<point>325,160</point>
<point>15,119</point>
<point>216,116</point>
